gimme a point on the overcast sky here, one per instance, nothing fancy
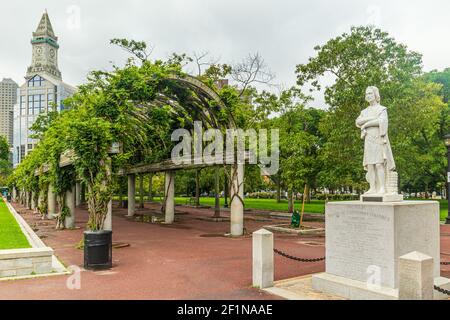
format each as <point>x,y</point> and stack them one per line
<point>284,32</point>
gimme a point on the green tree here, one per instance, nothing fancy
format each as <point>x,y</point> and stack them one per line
<point>356,60</point>
<point>5,165</point>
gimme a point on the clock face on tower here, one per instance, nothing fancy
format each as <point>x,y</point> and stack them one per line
<point>52,53</point>
<point>39,51</point>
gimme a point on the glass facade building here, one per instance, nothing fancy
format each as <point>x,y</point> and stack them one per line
<point>42,92</point>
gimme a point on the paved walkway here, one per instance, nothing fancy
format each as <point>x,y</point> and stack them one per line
<point>188,260</point>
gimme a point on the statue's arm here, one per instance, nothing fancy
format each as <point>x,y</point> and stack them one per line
<point>371,123</point>
<point>361,121</point>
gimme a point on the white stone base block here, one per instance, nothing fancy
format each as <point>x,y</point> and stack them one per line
<point>351,289</point>
<point>358,290</point>
<point>364,241</point>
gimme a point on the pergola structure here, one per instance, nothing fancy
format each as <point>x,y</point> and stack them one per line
<point>206,106</point>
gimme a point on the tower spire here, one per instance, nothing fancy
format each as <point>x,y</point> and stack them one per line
<point>45,50</point>
<point>45,28</point>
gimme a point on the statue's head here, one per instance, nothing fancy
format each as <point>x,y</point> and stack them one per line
<point>373,95</point>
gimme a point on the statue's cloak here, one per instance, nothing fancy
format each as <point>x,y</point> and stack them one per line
<point>377,141</point>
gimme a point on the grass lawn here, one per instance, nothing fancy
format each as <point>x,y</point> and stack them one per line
<point>316,206</point>
<point>11,236</point>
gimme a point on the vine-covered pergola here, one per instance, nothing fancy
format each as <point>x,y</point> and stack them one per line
<point>135,107</point>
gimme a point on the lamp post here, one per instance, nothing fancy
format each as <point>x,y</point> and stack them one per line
<point>447,143</point>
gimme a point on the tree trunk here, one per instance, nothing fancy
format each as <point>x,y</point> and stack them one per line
<point>307,193</point>
<point>120,193</point>
<point>290,201</point>
<point>197,188</point>
<point>278,191</point>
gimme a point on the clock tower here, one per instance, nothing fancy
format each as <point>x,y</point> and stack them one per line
<point>45,50</point>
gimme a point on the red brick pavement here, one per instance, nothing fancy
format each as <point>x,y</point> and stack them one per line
<point>188,260</point>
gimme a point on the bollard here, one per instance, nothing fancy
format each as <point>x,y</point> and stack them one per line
<point>263,259</point>
<point>416,279</point>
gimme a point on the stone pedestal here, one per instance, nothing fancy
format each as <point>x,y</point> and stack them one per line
<point>365,240</point>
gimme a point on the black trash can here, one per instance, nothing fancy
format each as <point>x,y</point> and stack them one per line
<point>124,204</point>
<point>97,250</point>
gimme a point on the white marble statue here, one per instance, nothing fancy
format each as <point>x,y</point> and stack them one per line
<point>378,159</point>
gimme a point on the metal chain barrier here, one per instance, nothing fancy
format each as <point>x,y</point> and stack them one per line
<point>447,292</point>
<point>288,256</point>
<point>285,255</point>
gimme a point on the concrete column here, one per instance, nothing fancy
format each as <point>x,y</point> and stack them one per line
<point>169,194</point>
<point>262,259</point>
<point>51,211</point>
<point>416,277</point>
<point>70,203</point>
<point>14,194</point>
<point>141,191</point>
<point>107,225</point>
<point>77,194</point>
<point>150,187</point>
<point>33,202</point>
<point>39,202</point>
<point>131,194</point>
<point>29,199</point>
<point>237,206</point>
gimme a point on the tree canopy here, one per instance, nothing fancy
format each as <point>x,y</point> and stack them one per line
<point>370,57</point>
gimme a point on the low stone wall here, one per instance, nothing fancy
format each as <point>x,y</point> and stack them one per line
<point>25,262</point>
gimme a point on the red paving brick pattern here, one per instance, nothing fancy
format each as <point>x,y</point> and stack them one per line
<point>188,260</point>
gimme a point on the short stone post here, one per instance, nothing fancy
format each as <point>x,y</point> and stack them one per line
<point>131,194</point>
<point>416,277</point>
<point>51,211</point>
<point>169,197</point>
<point>70,203</point>
<point>263,259</point>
